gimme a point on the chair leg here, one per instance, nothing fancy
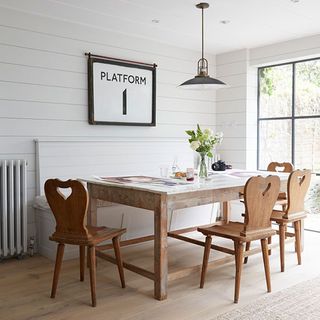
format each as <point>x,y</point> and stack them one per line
<point>264,249</point>
<point>88,259</point>
<point>57,268</point>
<point>282,240</point>
<point>92,259</point>
<point>295,238</point>
<point>298,240</point>
<point>285,231</point>
<point>205,261</point>
<point>82,251</point>
<point>116,246</point>
<point>269,242</point>
<point>247,249</point>
<point>238,246</point>
<point>301,228</point>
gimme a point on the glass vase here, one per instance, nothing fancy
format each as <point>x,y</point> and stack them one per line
<point>203,172</point>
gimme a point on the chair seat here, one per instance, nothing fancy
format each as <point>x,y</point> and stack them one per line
<point>278,216</point>
<point>95,236</point>
<point>281,202</point>
<point>233,230</point>
<point>104,233</point>
<point>282,196</point>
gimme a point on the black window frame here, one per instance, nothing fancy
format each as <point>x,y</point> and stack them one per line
<point>293,117</point>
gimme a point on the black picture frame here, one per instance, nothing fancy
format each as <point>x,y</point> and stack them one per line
<point>130,64</point>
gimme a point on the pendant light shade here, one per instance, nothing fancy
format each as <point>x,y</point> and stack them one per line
<point>202,81</point>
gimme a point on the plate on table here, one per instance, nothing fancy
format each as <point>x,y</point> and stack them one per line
<point>179,175</point>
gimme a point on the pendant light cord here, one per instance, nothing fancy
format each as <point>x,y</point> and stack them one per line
<point>202,80</point>
<point>202,33</point>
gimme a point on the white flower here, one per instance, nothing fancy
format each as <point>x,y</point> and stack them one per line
<point>207,132</point>
<point>194,145</point>
<point>219,136</point>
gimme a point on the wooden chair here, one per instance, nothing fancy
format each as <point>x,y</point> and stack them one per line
<point>282,197</point>
<point>260,195</point>
<point>281,167</point>
<point>298,184</point>
<point>70,213</point>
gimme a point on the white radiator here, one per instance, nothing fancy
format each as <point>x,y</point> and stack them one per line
<point>13,207</point>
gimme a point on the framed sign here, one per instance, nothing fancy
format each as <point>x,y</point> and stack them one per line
<point>121,92</point>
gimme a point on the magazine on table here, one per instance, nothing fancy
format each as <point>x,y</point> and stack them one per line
<point>144,180</point>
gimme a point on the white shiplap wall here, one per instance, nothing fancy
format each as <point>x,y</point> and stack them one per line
<point>43,87</point>
<point>236,114</point>
<point>235,108</point>
<point>302,48</point>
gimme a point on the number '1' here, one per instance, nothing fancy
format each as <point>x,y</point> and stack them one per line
<point>124,102</point>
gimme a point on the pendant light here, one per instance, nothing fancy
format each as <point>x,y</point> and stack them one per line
<point>202,81</point>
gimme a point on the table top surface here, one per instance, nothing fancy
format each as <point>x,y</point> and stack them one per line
<point>216,180</point>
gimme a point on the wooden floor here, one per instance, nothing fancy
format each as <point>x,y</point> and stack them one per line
<point>25,286</point>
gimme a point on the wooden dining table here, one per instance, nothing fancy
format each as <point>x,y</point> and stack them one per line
<point>162,199</point>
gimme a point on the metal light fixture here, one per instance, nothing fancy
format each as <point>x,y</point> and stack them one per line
<point>202,81</point>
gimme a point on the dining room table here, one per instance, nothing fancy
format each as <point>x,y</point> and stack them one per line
<point>162,196</point>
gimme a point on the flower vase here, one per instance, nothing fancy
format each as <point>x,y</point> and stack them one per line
<point>203,172</point>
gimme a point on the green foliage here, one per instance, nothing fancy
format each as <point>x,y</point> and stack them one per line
<point>309,71</point>
<point>266,81</point>
<point>313,198</point>
<point>306,72</point>
<point>203,141</point>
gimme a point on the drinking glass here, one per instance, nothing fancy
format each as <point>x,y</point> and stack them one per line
<point>164,171</point>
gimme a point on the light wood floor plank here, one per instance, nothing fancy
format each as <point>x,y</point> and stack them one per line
<point>25,285</point>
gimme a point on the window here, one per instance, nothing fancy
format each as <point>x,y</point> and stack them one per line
<point>289,114</point>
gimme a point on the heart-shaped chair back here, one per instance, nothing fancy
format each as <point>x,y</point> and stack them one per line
<point>260,195</point>
<point>280,167</point>
<point>69,210</point>
<point>298,185</point>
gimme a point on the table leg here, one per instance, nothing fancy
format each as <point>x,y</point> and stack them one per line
<point>225,208</point>
<point>160,248</point>
<point>92,209</point>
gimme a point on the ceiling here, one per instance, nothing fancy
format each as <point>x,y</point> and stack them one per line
<point>253,23</point>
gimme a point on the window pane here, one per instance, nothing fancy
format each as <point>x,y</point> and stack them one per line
<point>274,142</point>
<point>312,205</point>
<point>307,144</point>
<point>308,88</point>
<point>276,91</point>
